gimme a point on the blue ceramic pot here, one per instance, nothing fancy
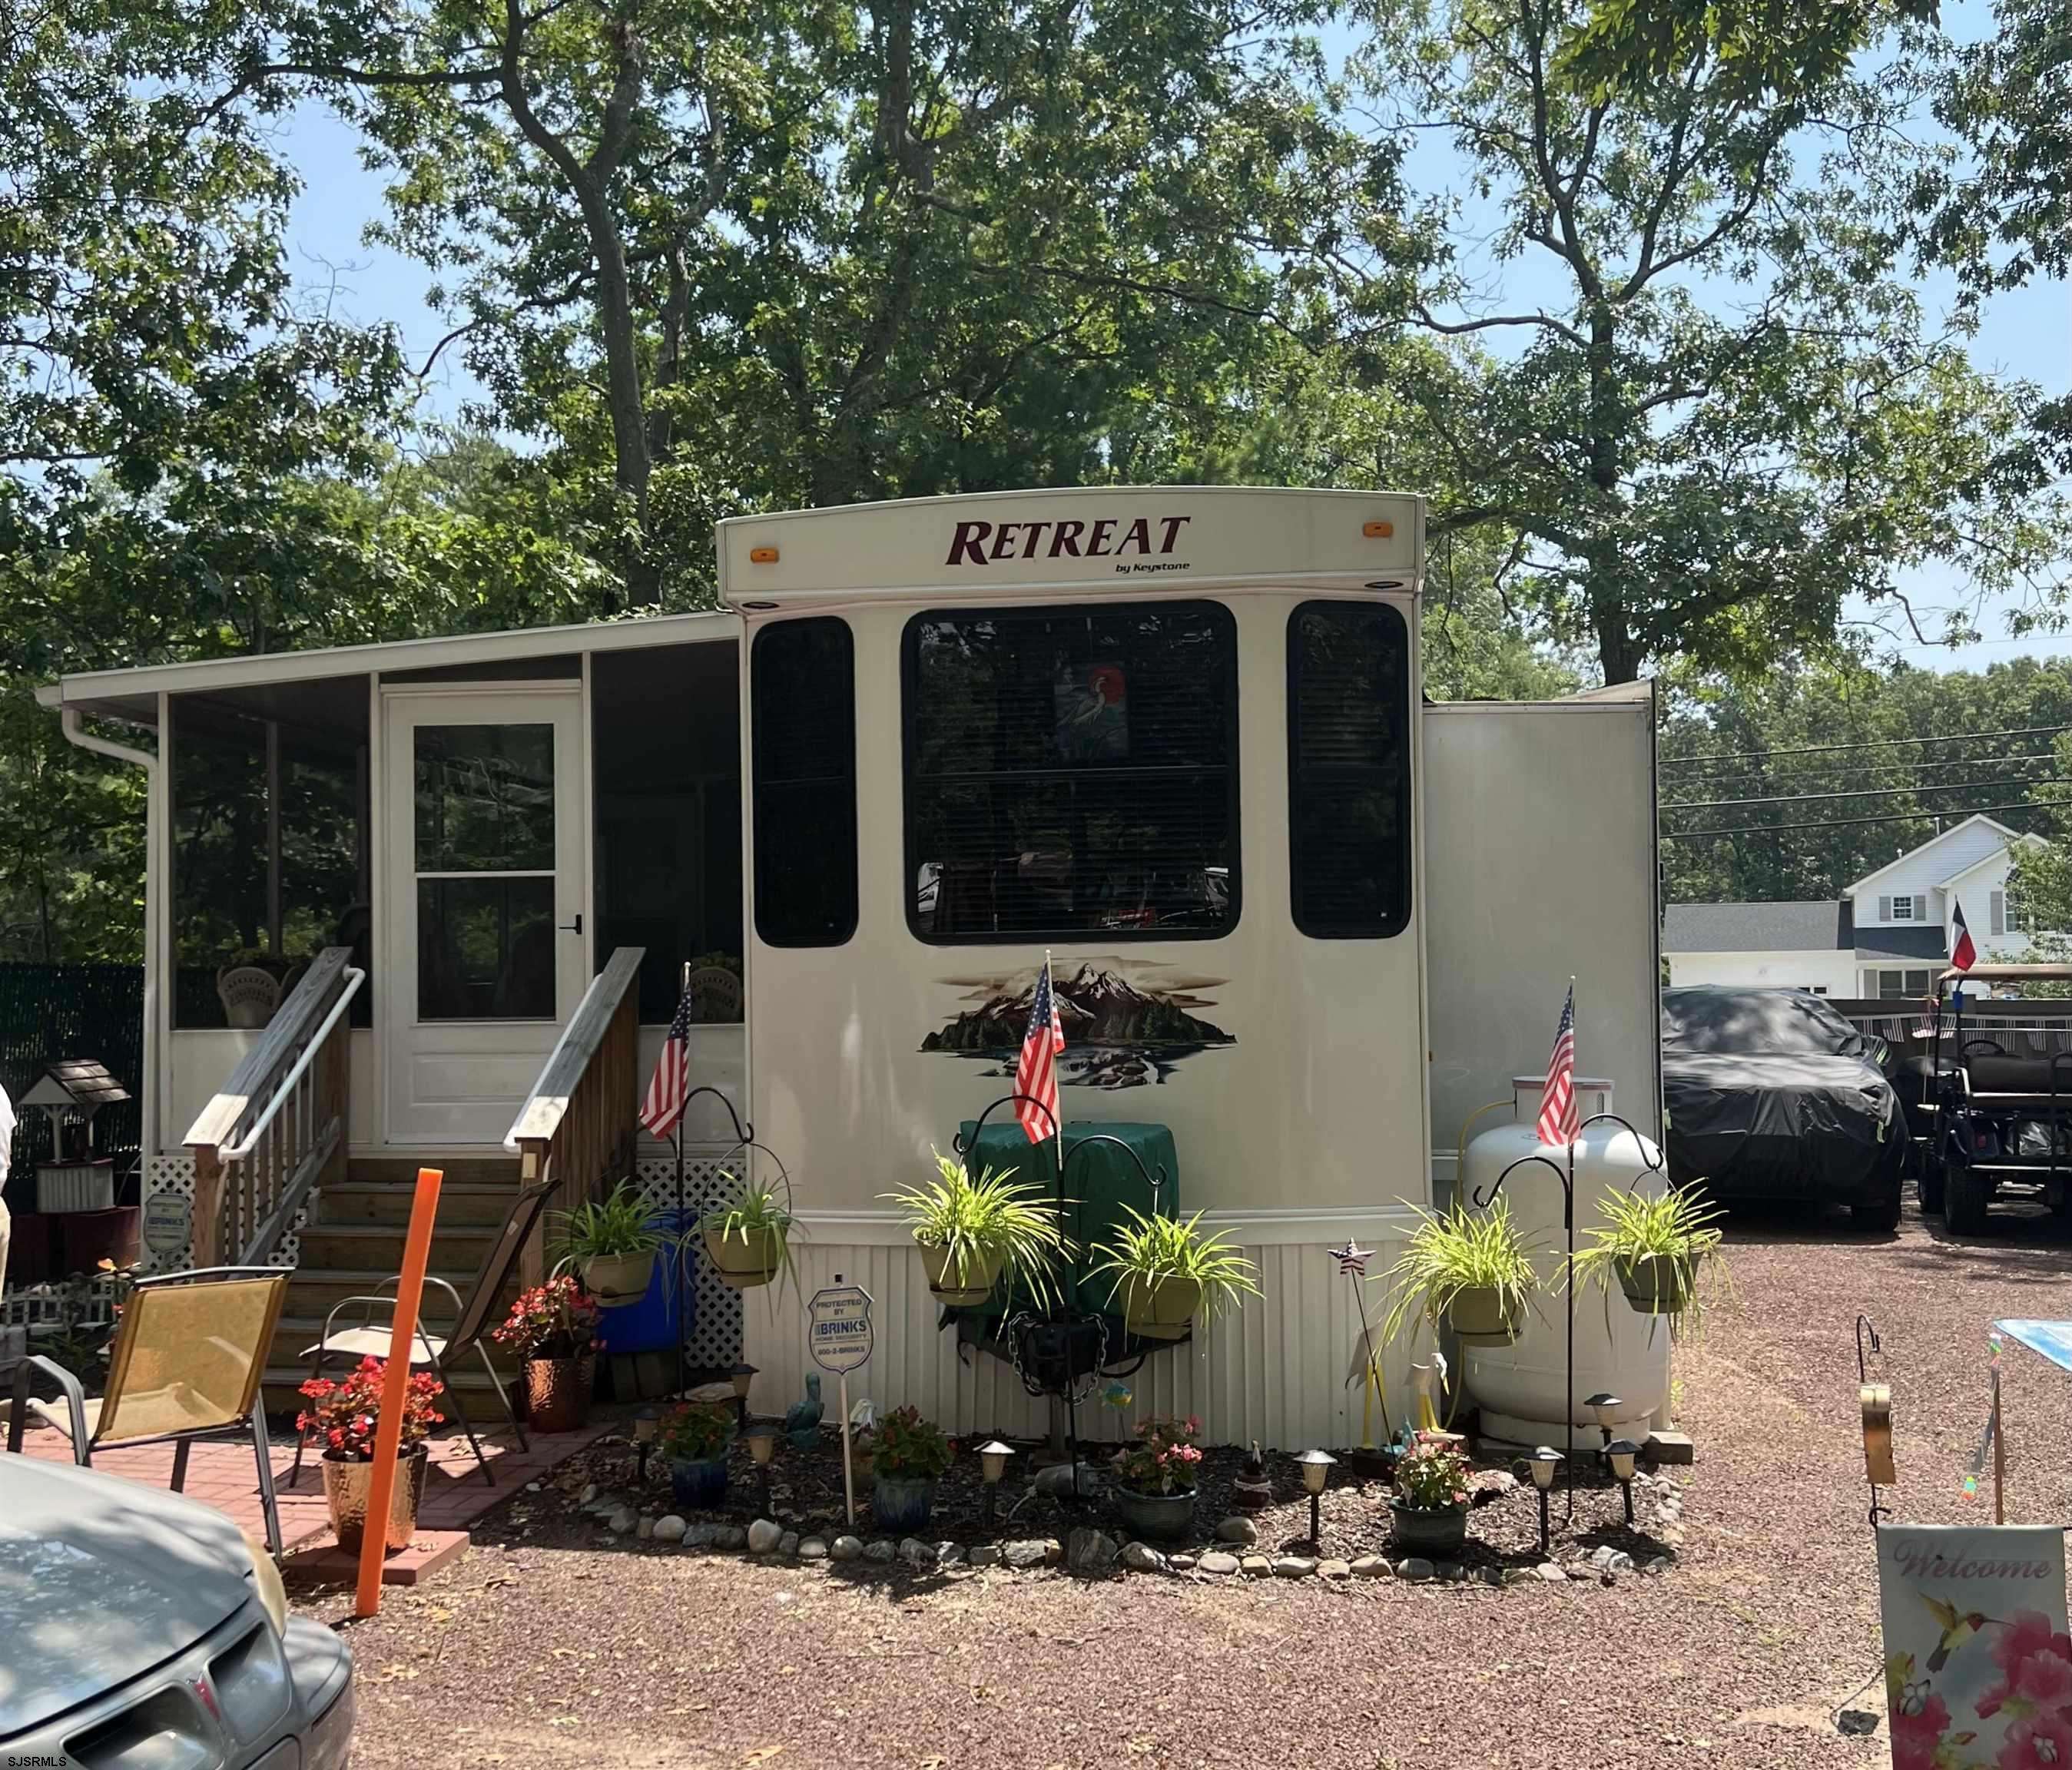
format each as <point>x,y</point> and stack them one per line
<point>701,1486</point>
<point>902,1505</point>
<point>1160,1518</point>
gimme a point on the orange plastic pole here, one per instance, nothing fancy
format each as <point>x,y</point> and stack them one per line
<point>395,1391</point>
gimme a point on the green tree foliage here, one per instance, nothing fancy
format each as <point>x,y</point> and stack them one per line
<point>1923,771</point>
<point>716,258</point>
<point>1691,380</point>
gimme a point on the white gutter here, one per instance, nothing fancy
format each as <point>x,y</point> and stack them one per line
<point>70,720</point>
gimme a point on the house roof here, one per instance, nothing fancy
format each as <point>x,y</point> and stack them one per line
<point>132,694</point>
<point>1934,841</point>
<point>1919,942</point>
<point>1823,926</point>
<point>1957,878</point>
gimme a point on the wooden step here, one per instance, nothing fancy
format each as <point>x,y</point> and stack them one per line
<point>357,1247</point>
<point>484,1168</point>
<point>386,1201</point>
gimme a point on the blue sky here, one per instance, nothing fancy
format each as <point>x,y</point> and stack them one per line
<point>2027,334</point>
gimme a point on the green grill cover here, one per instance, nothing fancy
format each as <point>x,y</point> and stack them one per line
<point>1098,1184</point>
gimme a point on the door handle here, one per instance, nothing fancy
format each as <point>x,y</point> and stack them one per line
<point>573,927</point>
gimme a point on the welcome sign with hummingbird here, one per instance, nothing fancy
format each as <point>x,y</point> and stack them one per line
<point>1978,1664</point>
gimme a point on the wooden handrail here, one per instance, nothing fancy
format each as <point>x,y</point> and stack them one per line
<point>277,1126</point>
<point>575,1128</point>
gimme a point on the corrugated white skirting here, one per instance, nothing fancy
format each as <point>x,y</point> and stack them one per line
<point>1274,1370</point>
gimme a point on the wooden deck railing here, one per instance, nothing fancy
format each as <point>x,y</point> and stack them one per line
<point>277,1128</point>
<point>578,1127</point>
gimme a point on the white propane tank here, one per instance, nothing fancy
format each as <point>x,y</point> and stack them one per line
<point>1618,1351</point>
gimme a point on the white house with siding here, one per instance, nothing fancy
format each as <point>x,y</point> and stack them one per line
<point>1887,936</point>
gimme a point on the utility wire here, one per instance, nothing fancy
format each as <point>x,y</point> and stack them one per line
<point>1836,823</point>
<point>1867,743</point>
<point>1833,771</point>
<point>1866,793</point>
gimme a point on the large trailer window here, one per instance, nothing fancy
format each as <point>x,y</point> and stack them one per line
<point>1072,771</point>
<point>1349,769</point>
<point>803,681</point>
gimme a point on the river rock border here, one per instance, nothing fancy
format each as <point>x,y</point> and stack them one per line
<point>1092,1552</point>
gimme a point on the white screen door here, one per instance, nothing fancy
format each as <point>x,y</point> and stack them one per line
<point>485,954</point>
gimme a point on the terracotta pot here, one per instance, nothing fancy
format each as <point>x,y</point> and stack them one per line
<point>1157,1516</point>
<point>1479,1317</point>
<point>1161,1310</point>
<point>558,1392</point>
<point>348,1484</point>
<point>1441,1532</point>
<point>744,1264</point>
<point>617,1279</point>
<point>1655,1284</point>
<point>974,1287</point>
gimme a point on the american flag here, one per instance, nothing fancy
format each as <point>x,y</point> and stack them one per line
<point>1557,1103</point>
<point>1352,1258</point>
<point>664,1104</point>
<point>1036,1069</point>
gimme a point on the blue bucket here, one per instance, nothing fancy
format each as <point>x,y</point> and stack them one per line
<point>651,1325</point>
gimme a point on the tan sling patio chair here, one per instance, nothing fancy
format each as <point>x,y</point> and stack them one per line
<point>472,1322</point>
<point>187,1362</point>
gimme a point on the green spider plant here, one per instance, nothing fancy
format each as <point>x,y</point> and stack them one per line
<point>1656,1247</point>
<point>994,1225</point>
<point>1455,1251</point>
<point>1150,1251</point>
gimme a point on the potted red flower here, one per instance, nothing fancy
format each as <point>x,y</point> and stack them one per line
<point>1154,1478</point>
<point>344,1417</point>
<point>1430,1506</point>
<point>909,1457</point>
<point>553,1327</point>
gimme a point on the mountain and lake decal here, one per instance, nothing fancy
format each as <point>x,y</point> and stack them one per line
<point>1125,1028</point>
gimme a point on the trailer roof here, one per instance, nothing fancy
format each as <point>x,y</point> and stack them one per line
<point>1989,973</point>
<point>132,695</point>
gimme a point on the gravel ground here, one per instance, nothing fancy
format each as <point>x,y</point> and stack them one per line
<point>551,1640</point>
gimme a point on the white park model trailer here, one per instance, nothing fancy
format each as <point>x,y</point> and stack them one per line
<point>1303,919</point>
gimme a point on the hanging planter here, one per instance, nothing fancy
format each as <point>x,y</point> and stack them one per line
<point>1655,1246</point>
<point>1656,1283</point>
<point>1468,1270</point>
<point>748,1239</point>
<point>970,1232</point>
<point>1483,1315</point>
<point>1167,1272</point>
<point>1161,1308</point>
<point>612,1242</point>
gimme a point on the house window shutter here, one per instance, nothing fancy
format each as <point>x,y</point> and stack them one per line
<point>1998,912</point>
<point>1921,909</point>
<point>1885,910</point>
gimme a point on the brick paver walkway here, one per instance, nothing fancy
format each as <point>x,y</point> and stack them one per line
<point>225,1476</point>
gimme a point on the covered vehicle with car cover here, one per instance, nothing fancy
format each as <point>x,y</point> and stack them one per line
<point>1770,1093</point>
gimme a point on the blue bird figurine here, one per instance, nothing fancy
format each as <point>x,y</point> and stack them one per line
<point>802,1419</point>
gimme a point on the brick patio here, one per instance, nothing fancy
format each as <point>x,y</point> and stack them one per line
<point>222,1475</point>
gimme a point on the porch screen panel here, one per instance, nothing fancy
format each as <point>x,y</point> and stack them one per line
<point>1072,771</point>
<point>803,680</point>
<point>483,820</point>
<point>1349,769</point>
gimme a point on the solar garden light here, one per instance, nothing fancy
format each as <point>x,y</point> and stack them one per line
<point>993,1464</point>
<point>763,1446</point>
<point>1620,1453</point>
<point>1316,1470</point>
<point>1543,1462</point>
<point>646,1423</point>
<point>1605,1406</point>
<point>742,1375</point>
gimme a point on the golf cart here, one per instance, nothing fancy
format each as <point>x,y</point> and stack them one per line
<point>1998,1121</point>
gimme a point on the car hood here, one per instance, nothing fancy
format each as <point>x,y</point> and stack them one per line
<point>101,1579</point>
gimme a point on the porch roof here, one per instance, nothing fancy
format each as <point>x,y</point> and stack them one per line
<point>132,695</point>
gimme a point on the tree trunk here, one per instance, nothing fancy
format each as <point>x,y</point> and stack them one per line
<point>622,373</point>
<point>1618,651</point>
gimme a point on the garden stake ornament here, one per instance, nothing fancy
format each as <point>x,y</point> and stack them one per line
<point>1875,1399</point>
<point>1366,1369</point>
